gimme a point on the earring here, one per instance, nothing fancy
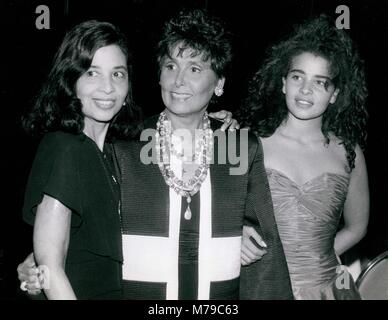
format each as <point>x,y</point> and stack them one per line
<point>218,91</point>
<point>124,103</point>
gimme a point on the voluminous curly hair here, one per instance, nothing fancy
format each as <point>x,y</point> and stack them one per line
<point>264,107</point>
<point>57,107</point>
<point>204,34</point>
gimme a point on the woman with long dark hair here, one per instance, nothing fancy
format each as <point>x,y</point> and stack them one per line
<point>72,196</point>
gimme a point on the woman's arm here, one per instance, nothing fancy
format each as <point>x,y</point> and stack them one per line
<point>227,118</point>
<point>356,209</point>
<point>51,240</point>
<point>268,278</point>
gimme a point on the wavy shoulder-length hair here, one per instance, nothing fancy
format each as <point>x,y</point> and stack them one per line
<point>57,107</point>
<point>264,107</point>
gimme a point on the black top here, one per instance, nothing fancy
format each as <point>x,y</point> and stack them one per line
<point>71,169</point>
<point>236,200</point>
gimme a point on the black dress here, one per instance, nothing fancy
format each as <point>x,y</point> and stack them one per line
<point>71,169</point>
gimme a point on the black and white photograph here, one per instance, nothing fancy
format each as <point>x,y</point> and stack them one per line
<point>194,150</point>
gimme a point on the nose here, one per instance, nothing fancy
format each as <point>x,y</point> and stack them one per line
<point>180,79</point>
<point>106,85</point>
<point>306,87</point>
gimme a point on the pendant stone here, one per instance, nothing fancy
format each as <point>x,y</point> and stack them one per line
<point>188,213</point>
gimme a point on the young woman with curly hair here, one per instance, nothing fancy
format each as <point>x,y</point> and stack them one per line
<point>307,105</point>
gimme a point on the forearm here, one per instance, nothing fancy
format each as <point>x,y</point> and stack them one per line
<point>59,287</point>
<point>51,239</point>
<point>356,208</point>
<point>347,238</point>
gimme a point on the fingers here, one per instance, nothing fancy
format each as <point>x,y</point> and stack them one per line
<point>31,288</point>
<point>227,117</point>
<point>258,239</point>
<point>248,257</point>
<point>252,251</point>
<point>30,260</point>
<point>34,285</point>
<point>29,276</point>
<point>244,259</point>
<point>30,282</point>
<point>27,268</point>
<point>251,247</point>
<point>23,286</point>
<point>34,292</point>
<point>234,125</point>
<point>247,230</point>
<point>27,273</point>
<point>21,275</point>
<point>227,121</point>
<point>251,232</point>
<point>221,115</point>
<point>231,125</point>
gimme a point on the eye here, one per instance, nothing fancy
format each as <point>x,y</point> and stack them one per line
<point>119,74</point>
<point>169,66</point>
<point>295,77</point>
<point>322,83</point>
<point>91,73</point>
<point>195,69</point>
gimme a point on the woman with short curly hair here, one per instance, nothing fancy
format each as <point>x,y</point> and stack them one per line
<point>307,105</point>
<point>182,234</point>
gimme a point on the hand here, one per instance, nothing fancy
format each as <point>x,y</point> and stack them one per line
<point>29,273</point>
<point>227,117</point>
<point>250,252</point>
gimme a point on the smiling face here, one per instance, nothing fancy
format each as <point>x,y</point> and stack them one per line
<point>308,87</point>
<point>187,82</point>
<point>103,88</point>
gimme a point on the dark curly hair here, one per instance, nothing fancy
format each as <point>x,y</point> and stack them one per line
<point>264,107</point>
<point>57,107</point>
<point>203,33</point>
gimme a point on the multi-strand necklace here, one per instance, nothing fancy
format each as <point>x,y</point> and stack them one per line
<point>202,156</point>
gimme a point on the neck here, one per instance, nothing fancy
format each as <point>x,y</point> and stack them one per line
<point>188,122</point>
<point>305,131</point>
<point>96,132</point>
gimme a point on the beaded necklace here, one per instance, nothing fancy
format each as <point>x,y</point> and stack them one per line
<point>203,155</point>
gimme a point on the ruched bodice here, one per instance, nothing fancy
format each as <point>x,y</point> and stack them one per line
<point>307,216</point>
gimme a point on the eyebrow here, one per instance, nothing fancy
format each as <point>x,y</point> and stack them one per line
<point>316,75</point>
<point>114,68</point>
<point>192,62</point>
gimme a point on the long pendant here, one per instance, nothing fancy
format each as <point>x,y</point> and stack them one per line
<point>187,214</point>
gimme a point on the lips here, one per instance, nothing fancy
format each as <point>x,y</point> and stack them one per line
<point>104,103</point>
<point>304,102</point>
<point>180,95</point>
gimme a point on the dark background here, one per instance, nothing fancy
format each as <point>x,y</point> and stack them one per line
<point>26,55</point>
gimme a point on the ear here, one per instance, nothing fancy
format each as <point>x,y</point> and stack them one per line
<point>221,83</point>
<point>333,97</point>
<point>284,85</point>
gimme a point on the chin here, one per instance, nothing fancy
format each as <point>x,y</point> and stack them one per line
<point>180,111</point>
<point>306,116</point>
<point>106,117</point>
